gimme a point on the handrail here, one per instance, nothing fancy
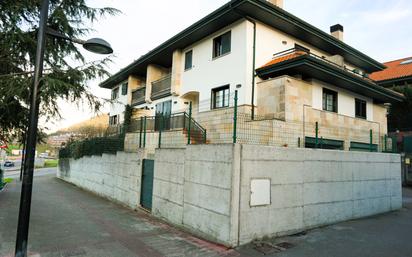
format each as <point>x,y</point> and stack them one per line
<point>196,123</point>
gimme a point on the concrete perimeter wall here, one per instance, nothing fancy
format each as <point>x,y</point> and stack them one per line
<point>194,188</point>
<point>207,189</point>
<point>311,188</point>
<point>116,177</point>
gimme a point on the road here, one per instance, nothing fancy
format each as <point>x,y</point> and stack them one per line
<point>37,172</point>
<point>67,221</point>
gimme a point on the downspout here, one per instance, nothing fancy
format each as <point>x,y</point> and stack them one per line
<point>253,67</point>
<point>254,59</point>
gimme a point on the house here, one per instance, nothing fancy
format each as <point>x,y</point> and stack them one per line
<point>282,68</point>
<point>398,73</point>
<point>398,76</point>
<point>244,91</point>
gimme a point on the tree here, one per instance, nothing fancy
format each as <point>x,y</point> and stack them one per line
<point>66,72</point>
<point>400,114</point>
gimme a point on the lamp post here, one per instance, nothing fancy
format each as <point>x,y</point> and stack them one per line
<point>95,45</point>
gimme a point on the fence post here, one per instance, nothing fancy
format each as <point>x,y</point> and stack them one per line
<point>144,131</point>
<point>235,120</point>
<point>189,126</point>
<point>204,137</point>
<point>386,143</point>
<point>160,131</point>
<point>316,134</point>
<point>370,140</point>
<point>141,131</point>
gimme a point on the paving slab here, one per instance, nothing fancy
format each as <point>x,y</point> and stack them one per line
<point>68,221</point>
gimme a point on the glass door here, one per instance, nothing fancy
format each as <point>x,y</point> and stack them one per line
<point>163,113</point>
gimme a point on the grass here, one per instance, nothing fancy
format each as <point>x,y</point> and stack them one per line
<point>51,163</point>
<point>7,180</point>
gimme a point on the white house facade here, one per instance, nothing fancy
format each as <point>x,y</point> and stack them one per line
<point>244,46</point>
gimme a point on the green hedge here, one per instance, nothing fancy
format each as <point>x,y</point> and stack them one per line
<point>1,179</point>
<point>92,146</point>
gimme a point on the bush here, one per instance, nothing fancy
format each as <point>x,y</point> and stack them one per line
<point>92,146</point>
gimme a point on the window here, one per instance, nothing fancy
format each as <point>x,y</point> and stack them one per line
<point>360,109</point>
<point>330,100</point>
<point>222,44</point>
<point>189,60</point>
<point>115,93</point>
<point>113,120</point>
<point>220,97</point>
<point>124,88</point>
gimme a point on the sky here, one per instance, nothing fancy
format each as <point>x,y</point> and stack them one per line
<point>379,28</point>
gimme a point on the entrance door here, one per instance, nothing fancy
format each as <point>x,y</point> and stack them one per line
<point>163,113</point>
<point>146,194</point>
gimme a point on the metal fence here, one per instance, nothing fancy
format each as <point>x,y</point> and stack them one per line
<point>203,123</point>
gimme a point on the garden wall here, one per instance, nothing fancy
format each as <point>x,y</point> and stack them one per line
<point>116,177</point>
<point>208,189</point>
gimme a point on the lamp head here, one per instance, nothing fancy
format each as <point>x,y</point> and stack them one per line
<point>98,46</point>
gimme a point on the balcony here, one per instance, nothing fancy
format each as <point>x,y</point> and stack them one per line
<point>299,62</point>
<point>138,96</point>
<point>162,87</point>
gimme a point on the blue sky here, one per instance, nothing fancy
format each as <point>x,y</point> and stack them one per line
<point>381,29</point>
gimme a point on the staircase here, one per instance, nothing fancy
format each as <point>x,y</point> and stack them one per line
<point>197,132</point>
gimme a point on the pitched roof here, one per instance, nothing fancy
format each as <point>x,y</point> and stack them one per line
<point>295,61</point>
<point>395,69</point>
<point>284,58</point>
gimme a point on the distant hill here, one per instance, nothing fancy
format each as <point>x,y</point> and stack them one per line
<point>100,121</point>
<point>93,127</point>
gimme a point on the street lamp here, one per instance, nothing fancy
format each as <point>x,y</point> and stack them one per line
<point>95,45</point>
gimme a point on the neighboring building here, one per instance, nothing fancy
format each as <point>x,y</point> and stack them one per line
<point>282,67</point>
<point>397,74</point>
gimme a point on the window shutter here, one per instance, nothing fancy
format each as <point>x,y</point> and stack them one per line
<point>226,43</point>
<point>124,88</point>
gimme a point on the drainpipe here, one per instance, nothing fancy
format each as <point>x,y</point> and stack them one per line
<point>253,67</point>
<point>254,58</point>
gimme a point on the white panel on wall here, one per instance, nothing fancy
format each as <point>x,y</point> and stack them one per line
<point>259,192</point>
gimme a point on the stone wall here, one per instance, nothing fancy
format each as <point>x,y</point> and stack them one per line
<point>170,139</point>
<point>117,177</point>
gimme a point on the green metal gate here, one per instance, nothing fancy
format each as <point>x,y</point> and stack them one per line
<point>146,194</point>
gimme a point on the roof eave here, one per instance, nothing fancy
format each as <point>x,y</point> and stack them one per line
<point>384,94</point>
<point>242,5</point>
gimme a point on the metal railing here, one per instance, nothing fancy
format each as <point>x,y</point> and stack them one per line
<point>296,52</point>
<point>138,96</point>
<point>180,121</point>
<point>161,87</point>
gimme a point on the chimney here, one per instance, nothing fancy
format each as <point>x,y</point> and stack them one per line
<point>337,31</point>
<point>278,3</point>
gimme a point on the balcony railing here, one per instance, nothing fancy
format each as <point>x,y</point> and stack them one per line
<point>161,88</point>
<point>138,96</point>
<point>297,52</point>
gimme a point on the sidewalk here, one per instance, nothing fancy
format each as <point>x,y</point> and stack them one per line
<point>67,221</point>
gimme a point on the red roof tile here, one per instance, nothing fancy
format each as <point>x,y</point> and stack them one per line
<point>284,58</point>
<point>395,70</point>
